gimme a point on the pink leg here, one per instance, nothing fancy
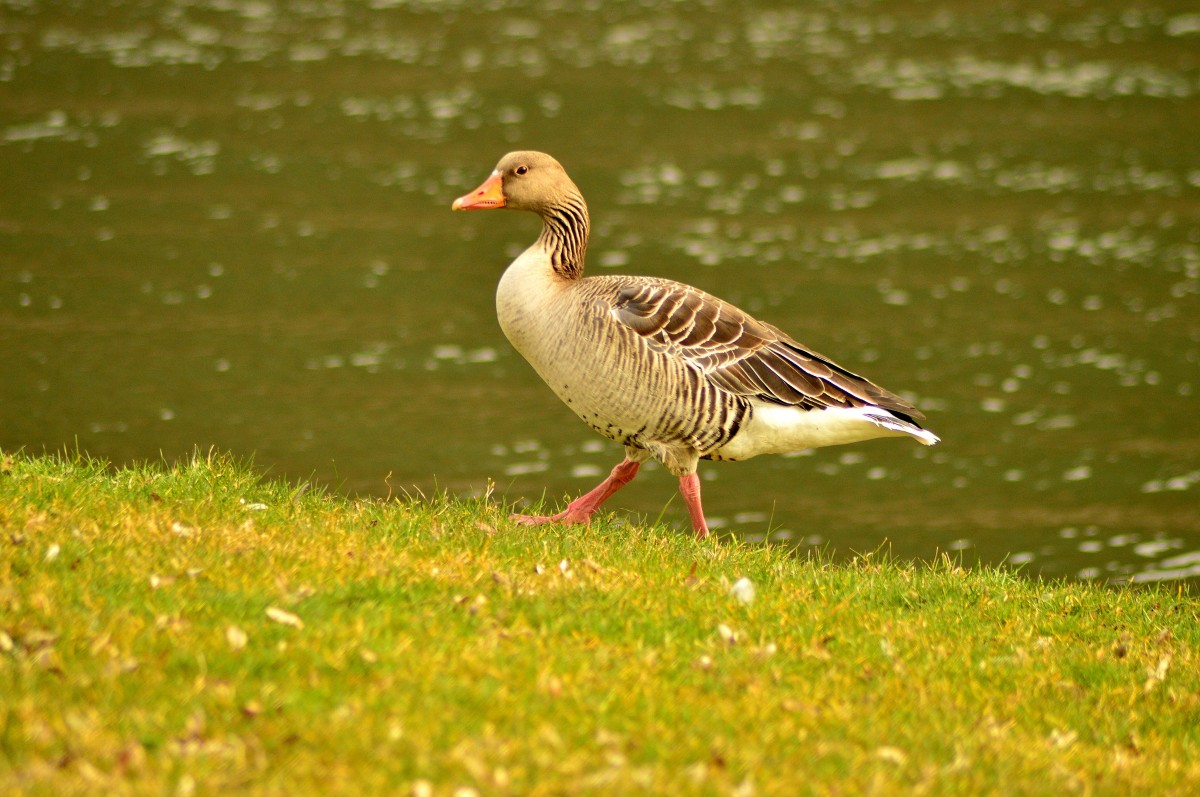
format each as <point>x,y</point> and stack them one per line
<point>582,508</point>
<point>689,488</point>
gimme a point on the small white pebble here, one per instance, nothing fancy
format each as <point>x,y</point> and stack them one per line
<point>236,637</point>
<point>743,590</point>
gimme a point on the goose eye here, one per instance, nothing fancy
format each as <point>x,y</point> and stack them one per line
<point>522,169</point>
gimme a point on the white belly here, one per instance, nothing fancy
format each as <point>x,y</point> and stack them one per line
<point>774,429</point>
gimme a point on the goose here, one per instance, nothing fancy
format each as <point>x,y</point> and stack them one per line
<point>664,369</point>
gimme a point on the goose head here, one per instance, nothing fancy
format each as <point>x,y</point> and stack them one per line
<point>524,180</point>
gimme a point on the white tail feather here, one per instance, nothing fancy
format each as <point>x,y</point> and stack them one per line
<point>889,421</point>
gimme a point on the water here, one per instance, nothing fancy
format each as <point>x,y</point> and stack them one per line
<point>227,224</point>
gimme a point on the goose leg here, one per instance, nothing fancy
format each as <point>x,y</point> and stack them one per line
<point>582,508</point>
<point>689,488</point>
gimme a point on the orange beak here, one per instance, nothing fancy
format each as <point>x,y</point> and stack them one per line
<point>485,197</point>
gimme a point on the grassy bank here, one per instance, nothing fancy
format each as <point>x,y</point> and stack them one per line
<point>199,630</point>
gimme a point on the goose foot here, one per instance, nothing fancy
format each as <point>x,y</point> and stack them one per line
<point>582,508</point>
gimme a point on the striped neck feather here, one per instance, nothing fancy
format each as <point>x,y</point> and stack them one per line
<point>565,228</point>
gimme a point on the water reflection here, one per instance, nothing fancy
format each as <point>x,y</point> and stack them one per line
<point>225,224</point>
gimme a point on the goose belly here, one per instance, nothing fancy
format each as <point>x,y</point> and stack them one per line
<point>774,429</point>
<point>543,320</point>
<point>615,383</point>
<point>591,379</point>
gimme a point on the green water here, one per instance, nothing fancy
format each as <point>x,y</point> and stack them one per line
<point>226,223</point>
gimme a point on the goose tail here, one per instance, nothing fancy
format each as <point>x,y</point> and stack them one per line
<point>886,420</point>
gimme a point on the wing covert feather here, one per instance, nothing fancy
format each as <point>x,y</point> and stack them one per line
<point>739,353</point>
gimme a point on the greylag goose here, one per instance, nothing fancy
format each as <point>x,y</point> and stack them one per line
<point>661,367</point>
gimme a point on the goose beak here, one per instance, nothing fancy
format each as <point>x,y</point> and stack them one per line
<point>487,196</point>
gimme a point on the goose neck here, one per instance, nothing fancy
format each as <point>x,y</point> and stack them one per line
<point>565,228</point>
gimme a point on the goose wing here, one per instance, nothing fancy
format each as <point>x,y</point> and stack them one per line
<point>741,354</point>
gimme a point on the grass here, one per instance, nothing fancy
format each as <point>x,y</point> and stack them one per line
<point>199,629</point>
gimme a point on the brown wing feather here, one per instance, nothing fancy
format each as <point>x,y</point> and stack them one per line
<point>740,354</point>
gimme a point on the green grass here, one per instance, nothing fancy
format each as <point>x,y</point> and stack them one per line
<point>198,629</point>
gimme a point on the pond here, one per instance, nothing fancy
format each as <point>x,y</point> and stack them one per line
<point>226,223</point>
